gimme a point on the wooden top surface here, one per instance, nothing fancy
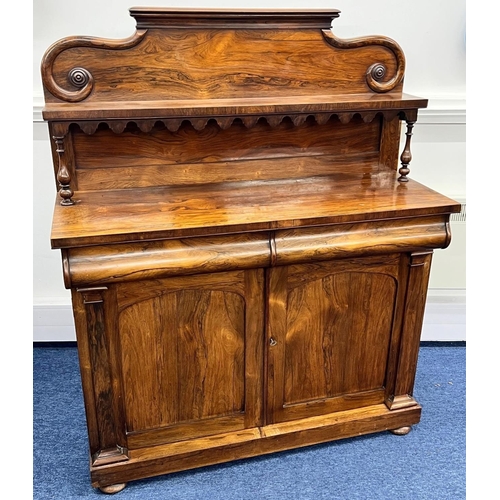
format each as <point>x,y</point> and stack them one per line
<point>207,12</point>
<point>171,212</point>
<point>230,107</point>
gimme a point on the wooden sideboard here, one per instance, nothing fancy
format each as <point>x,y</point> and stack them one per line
<point>247,252</point>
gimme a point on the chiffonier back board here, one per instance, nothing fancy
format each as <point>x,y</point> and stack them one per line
<point>247,253</point>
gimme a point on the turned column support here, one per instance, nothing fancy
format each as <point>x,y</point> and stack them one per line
<point>406,154</point>
<point>63,174</point>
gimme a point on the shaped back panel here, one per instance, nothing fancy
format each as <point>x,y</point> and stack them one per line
<point>176,55</point>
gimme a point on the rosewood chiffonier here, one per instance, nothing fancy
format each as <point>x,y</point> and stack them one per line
<point>247,253</point>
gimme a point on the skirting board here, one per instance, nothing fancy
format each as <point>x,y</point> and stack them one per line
<point>444,320</point>
<point>53,323</point>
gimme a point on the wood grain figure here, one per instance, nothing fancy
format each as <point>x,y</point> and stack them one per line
<point>247,255</point>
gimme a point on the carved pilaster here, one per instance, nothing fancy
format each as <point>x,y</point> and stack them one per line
<point>108,446</point>
<point>416,295</point>
<point>63,175</point>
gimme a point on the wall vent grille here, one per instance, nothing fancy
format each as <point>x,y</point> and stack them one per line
<point>460,217</point>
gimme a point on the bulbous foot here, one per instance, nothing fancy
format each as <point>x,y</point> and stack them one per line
<point>402,431</point>
<point>113,488</point>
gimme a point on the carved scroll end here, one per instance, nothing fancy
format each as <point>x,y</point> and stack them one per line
<point>66,268</point>
<point>448,235</point>
<point>376,72</point>
<point>79,78</point>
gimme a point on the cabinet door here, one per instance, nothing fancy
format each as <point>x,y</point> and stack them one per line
<point>330,330</point>
<point>191,355</point>
<point>186,357</point>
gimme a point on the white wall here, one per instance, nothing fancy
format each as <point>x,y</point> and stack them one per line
<point>432,35</point>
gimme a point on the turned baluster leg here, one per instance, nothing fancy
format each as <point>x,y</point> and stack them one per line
<point>63,175</point>
<point>406,154</point>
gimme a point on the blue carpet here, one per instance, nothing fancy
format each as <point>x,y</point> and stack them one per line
<point>426,464</point>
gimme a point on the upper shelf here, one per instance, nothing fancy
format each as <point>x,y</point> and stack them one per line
<point>256,106</point>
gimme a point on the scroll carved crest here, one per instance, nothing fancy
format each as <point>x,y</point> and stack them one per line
<point>376,72</point>
<point>78,77</point>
